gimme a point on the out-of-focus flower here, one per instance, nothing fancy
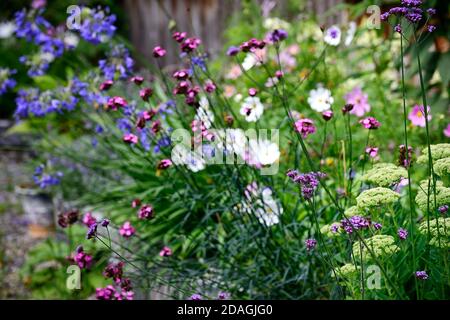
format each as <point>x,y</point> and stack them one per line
<point>327,115</point>
<point>320,99</point>
<point>333,36</point>
<point>310,244</point>
<point>106,85</point>
<point>417,116</point>
<point>372,151</point>
<point>127,230</point>
<point>370,123</point>
<point>447,131</point>
<point>6,82</point>
<point>68,218</point>
<point>209,86</point>
<point>164,164</point>
<point>232,51</point>
<point>223,295</point>
<point>263,152</point>
<point>145,93</point>
<point>351,30</point>
<point>82,259</point>
<point>402,234</point>
<point>130,138</point>
<point>89,219</point>
<point>254,58</point>
<point>146,212</point>
<point>165,252</point>
<point>159,52</point>
<point>278,35</point>
<point>97,25</point>
<point>118,63</point>
<point>359,101</point>
<point>422,275</point>
<point>252,109</point>
<point>190,44</point>
<point>305,127</point>
<point>7,29</point>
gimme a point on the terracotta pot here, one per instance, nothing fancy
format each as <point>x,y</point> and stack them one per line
<point>38,209</point>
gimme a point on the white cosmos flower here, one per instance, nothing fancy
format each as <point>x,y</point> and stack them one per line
<point>204,113</point>
<point>263,152</point>
<point>71,40</point>
<point>269,211</point>
<point>7,29</point>
<point>249,62</point>
<point>236,141</point>
<point>254,58</point>
<point>252,109</point>
<point>182,156</point>
<point>350,33</point>
<point>261,203</point>
<point>333,35</point>
<point>320,99</point>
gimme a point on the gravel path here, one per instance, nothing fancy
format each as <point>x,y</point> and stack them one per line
<point>14,238</point>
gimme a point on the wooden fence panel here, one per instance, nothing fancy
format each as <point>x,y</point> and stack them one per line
<point>206,19</point>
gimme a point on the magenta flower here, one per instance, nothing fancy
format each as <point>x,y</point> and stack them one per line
<point>370,123</point>
<point>164,164</point>
<point>447,131</point>
<point>372,151</point>
<point>159,52</point>
<point>443,209</point>
<point>209,86</point>
<point>402,234</point>
<point>146,212</point>
<point>105,223</point>
<point>195,296</point>
<point>88,219</point>
<point>82,259</point>
<point>305,127</point>
<point>165,252</point>
<point>377,225</point>
<point>327,115</point>
<point>359,100</point>
<point>137,80</point>
<point>135,203</point>
<point>252,92</point>
<point>223,295</point>
<point>182,74</point>
<point>310,244</point>
<point>145,93</point>
<point>130,138</point>
<point>105,293</point>
<point>190,44</point>
<point>106,85</point>
<point>114,271</point>
<point>127,230</point>
<point>116,102</point>
<point>417,116</point>
<point>179,36</point>
<point>422,275</point>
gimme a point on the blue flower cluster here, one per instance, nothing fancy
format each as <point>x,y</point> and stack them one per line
<point>6,82</point>
<point>97,25</point>
<point>118,62</point>
<point>33,102</point>
<point>44,180</point>
<point>34,28</point>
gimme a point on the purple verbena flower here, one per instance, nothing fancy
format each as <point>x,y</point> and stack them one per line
<point>402,234</point>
